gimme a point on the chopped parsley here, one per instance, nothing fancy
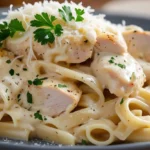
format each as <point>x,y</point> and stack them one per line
<point>84,142</point>
<point>112,61</point>
<point>29,97</point>
<point>122,100</point>
<point>11,72</point>
<point>67,15</point>
<point>8,61</point>
<point>37,115</point>
<point>122,66</point>
<point>46,35</point>
<point>10,29</point>
<point>18,97</point>
<point>133,77</point>
<point>62,85</point>
<point>79,13</point>
<point>37,81</point>
<point>30,82</point>
<point>6,90</point>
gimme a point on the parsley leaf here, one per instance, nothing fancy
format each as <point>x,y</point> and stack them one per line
<point>10,29</point>
<point>14,26</point>
<point>30,82</point>
<point>84,142</point>
<point>58,30</point>
<point>62,85</point>
<point>79,13</point>
<point>4,25</point>
<point>37,81</point>
<point>11,72</point>
<point>8,61</point>
<point>43,20</point>
<point>44,36</point>
<point>111,61</point>
<point>122,66</point>
<point>122,100</point>
<point>4,33</point>
<point>66,13</point>
<point>29,97</point>
<point>37,115</point>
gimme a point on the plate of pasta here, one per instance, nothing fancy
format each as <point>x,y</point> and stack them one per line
<point>70,77</point>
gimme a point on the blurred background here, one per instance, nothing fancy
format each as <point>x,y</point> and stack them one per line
<point>132,11</point>
<point>138,8</point>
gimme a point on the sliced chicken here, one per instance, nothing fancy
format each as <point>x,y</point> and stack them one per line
<point>146,68</point>
<point>138,43</point>
<point>121,74</point>
<point>76,49</point>
<point>52,97</point>
<point>110,43</point>
<point>22,47</point>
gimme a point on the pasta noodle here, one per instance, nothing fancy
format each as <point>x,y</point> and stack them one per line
<point>71,77</point>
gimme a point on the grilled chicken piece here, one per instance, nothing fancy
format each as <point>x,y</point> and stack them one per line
<point>121,74</point>
<point>146,68</point>
<point>22,47</point>
<point>53,97</point>
<point>76,49</point>
<point>138,43</point>
<point>71,49</point>
<point>110,43</point>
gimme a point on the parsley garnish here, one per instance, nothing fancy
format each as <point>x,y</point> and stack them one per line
<point>84,142</point>
<point>122,66</point>
<point>29,97</point>
<point>8,61</point>
<point>62,85</point>
<point>6,90</point>
<point>14,26</point>
<point>37,81</point>
<point>10,29</point>
<point>67,15</point>
<point>45,35</point>
<point>11,72</point>
<point>122,100</point>
<point>37,115</point>
<point>30,82</point>
<point>133,77</point>
<point>79,13</point>
<point>112,61</point>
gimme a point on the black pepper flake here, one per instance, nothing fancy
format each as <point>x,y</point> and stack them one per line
<point>18,97</point>
<point>86,41</point>
<point>17,74</point>
<point>24,69</point>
